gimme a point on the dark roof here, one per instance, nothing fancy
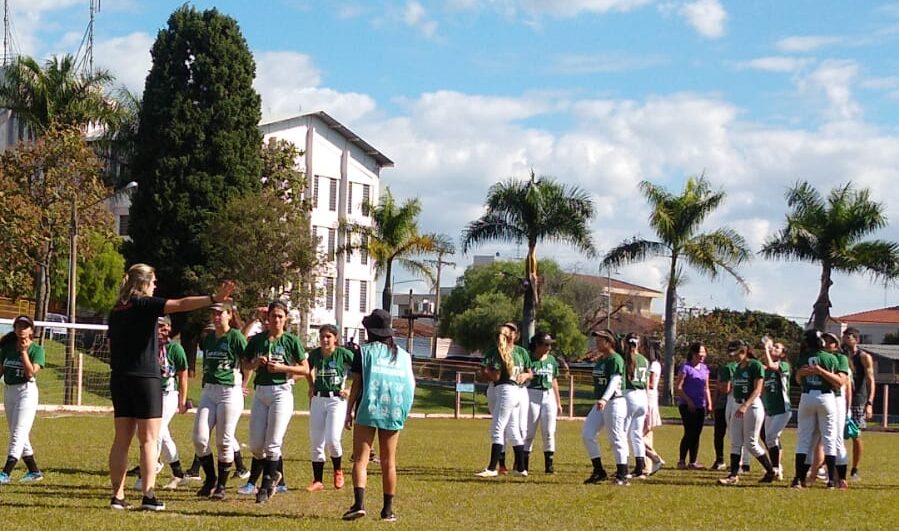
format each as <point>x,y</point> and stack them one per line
<point>884,351</point>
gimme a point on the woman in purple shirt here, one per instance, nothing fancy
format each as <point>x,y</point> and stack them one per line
<point>694,402</point>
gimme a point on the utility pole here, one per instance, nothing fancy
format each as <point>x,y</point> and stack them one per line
<point>438,263</point>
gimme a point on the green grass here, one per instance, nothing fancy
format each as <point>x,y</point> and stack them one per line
<point>438,490</point>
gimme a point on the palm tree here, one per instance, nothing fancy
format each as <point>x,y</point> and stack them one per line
<point>829,232</point>
<point>532,211</point>
<point>443,246</point>
<point>676,220</point>
<point>392,237</point>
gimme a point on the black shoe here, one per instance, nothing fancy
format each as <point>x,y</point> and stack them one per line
<point>550,469</point>
<point>133,472</point>
<point>218,493</point>
<point>206,490</point>
<point>118,504</point>
<point>152,504</point>
<point>262,496</point>
<point>354,513</point>
<point>744,468</point>
<point>596,477</point>
<point>769,477</point>
<point>388,516</point>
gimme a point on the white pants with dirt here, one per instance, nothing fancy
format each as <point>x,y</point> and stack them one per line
<point>541,408</point>
<point>729,409</point>
<point>168,451</point>
<point>326,417</point>
<point>20,401</point>
<point>817,416</point>
<point>506,415</point>
<point>636,401</point>
<point>774,427</point>
<point>219,409</point>
<point>269,417</point>
<point>744,431</point>
<point>842,453</point>
<point>613,418</point>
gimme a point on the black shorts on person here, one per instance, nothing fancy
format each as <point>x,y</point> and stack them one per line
<point>138,397</point>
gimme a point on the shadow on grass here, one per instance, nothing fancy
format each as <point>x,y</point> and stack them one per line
<point>76,471</point>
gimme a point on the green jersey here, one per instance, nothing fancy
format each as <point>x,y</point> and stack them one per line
<point>640,378</point>
<point>520,363</point>
<point>725,374</point>
<point>545,371</point>
<point>814,382</point>
<point>13,370</point>
<point>330,371</point>
<point>745,377</point>
<point>843,367</point>
<point>174,361</point>
<point>287,349</point>
<point>221,356</point>
<point>604,370</point>
<point>776,397</point>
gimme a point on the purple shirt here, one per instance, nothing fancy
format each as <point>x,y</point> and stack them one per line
<point>695,380</point>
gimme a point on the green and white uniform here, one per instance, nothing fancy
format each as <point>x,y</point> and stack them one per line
<point>507,403</point>
<point>21,397</point>
<point>635,398</point>
<point>172,360</point>
<point>222,399</point>
<point>327,411</point>
<point>817,405</point>
<point>608,378</point>
<point>776,398</point>
<point>542,405</point>
<point>840,396</point>
<point>273,395</point>
<point>744,430</point>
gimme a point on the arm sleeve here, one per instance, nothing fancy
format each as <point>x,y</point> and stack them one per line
<point>614,385</point>
<point>356,365</point>
<point>179,357</point>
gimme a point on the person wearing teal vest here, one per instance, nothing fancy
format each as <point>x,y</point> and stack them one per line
<point>21,360</point>
<point>380,400</point>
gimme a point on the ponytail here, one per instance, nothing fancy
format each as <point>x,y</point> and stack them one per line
<point>505,343</point>
<point>135,283</point>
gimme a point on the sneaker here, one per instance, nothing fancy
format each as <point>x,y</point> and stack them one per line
<point>388,516</point>
<point>487,473</point>
<point>822,473</point>
<point>522,474</point>
<point>118,504</point>
<point>696,466</point>
<point>338,479</point>
<point>4,478</point>
<point>134,471</point>
<point>769,477</point>
<point>354,513</point>
<point>780,473</point>
<point>315,486</point>
<point>831,485</point>
<point>596,477</point>
<point>32,477</point>
<point>643,474</point>
<point>152,504</point>
<point>797,484</point>
<point>719,466</point>
<point>681,465</point>
<point>503,471</point>
<point>854,475</point>
<point>190,475</point>
<point>745,469</point>
<point>843,485</point>
<point>656,466</point>
<point>206,490</point>
<point>242,473</point>
<point>262,496</point>
<point>621,482</point>
<point>729,480</point>
<point>174,483</point>
<point>247,489</point>
<point>218,494</point>
<point>281,489</point>
<point>139,484</point>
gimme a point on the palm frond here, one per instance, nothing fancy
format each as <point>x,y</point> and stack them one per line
<point>633,251</point>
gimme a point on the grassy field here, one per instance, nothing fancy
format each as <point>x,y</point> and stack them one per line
<point>438,489</point>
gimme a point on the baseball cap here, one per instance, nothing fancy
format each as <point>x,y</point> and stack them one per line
<point>221,306</point>
<point>23,319</point>
<point>830,338</point>
<point>543,338</point>
<point>734,346</point>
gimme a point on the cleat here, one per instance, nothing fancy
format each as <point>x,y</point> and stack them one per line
<point>206,490</point>
<point>152,504</point>
<point>190,475</point>
<point>32,477</point>
<point>522,474</point>
<point>719,466</point>
<point>241,473</point>
<point>388,517</point>
<point>118,504</point>
<point>487,473</point>
<point>831,485</point>
<point>854,476</point>
<point>281,489</point>
<point>315,486</point>
<point>174,483</point>
<point>797,484</point>
<point>338,479</point>
<point>745,469</point>
<point>218,494</point>
<point>681,465</point>
<point>621,482</point>
<point>274,488</point>
<point>596,477</point>
<point>262,496</point>
<point>780,473</point>
<point>729,480</point>
<point>769,477</point>
<point>354,513</point>
<point>696,466</point>
<point>247,489</point>
<point>656,466</point>
<point>843,485</point>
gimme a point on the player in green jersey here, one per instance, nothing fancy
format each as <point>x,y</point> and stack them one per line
<point>544,403</point>
<point>776,399</point>
<point>635,382</point>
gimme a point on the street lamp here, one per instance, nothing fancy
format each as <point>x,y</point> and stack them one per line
<point>73,279</point>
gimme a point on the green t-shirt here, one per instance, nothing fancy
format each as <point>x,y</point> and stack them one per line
<point>640,378</point>
<point>330,371</point>
<point>843,367</point>
<point>814,382</point>
<point>604,370</point>
<point>13,371</point>
<point>725,374</point>
<point>745,377</point>
<point>287,349</point>
<point>545,371</point>
<point>175,361</point>
<point>221,356</point>
<point>520,362</point>
<point>776,397</point>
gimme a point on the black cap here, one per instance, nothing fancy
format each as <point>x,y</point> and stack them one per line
<point>23,319</point>
<point>735,345</point>
<point>544,338</point>
<point>378,323</point>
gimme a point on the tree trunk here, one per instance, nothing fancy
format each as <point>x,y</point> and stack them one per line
<point>821,309</point>
<point>670,331</point>
<point>529,313</point>
<point>387,294</point>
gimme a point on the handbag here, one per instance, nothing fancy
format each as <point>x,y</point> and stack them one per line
<point>852,431</point>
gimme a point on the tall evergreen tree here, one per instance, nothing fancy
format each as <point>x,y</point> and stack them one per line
<point>197,144</point>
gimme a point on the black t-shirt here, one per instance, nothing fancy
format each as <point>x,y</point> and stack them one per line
<point>133,337</point>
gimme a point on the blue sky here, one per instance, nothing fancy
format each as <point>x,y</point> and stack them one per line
<point>598,93</point>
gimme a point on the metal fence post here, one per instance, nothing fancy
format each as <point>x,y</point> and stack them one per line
<point>886,406</point>
<point>80,376</point>
<point>570,395</point>
<point>458,395</point>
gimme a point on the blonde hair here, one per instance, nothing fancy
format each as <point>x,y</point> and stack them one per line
<point>505,343</point>
<point>138,277</point>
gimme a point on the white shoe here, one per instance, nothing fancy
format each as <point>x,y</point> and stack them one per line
<point>487,473</point>
<point>656,466</point>
<point>780,472</point>
<point>247,490</point>
<point>822,473</point>
<point>139,484</point>
<point>523,473</point>
<point>175,483</point>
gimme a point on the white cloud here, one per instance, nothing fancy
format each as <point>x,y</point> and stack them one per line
<point>576,64</point>
<point>570,8</point>
<point>807,43</point>
<point>127,57</point>
<point>833,80</point>
<point>775,64</point>
<point>415,16</point>
<point>707,17</point>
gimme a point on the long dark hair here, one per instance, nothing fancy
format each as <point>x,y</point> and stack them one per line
<point>630,345</point>
<point>387,340</point>
<point>694,350</point>
<point>10,337</point>
<point>7,338</point>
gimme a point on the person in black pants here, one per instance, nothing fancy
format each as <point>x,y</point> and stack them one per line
<point>694,402</point>
<point>722,390</point>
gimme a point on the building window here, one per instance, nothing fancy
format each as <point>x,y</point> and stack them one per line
<point>332,237</point>
<point>349,250</point>
<point>332,199</point>
<point>123,225</point>
<point>349,198</point>
<point>329,293</point>
<point>315,191</point>
<point>363,296</point>
<point>363,251</point>
<point>346,294</point>
<point>366,199</point>
<point>864,339</point>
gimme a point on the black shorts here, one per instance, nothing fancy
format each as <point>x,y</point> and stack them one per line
<point>136,397</point>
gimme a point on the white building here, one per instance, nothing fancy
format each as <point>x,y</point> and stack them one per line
<point>342,171</point>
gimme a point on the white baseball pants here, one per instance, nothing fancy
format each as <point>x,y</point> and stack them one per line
<point>326,418</point>
<point>20,401</point>
<point>269,417</point>
<point>613,417</point>
<point>220,408</point>
<point>542,407</point>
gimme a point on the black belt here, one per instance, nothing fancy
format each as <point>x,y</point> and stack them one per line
<point>328,394</point>
<point>818,390</point>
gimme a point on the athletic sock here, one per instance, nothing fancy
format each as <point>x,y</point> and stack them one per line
<point>854,471</point>
<point>238,460</point>
<point>31,464</point>
<point>194,469</point>
<point>831,462</point>
<point>224,469</point>
<point>388,504</point>
<point>766,463</point>
<point>548,462</point>
<point>318,471</point>
<point>281,470</point>
<point>10,465</point>
<point>527,460</point>
<point>336,461</point>
<point>774,451</point>
<point>502,457</point>
<point>801,467</point>
<point>255,471</point>
<point>208,465</point>
<point>621,471</point>
<point>841,471</point>
<point>519,457</point>
<point>358,497</point>
<point>176,469</point>
<point>597,466</point>
<point>270,468</point>
<point>734,465</point>
<point>495,456</point>
<point>640,466</point>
